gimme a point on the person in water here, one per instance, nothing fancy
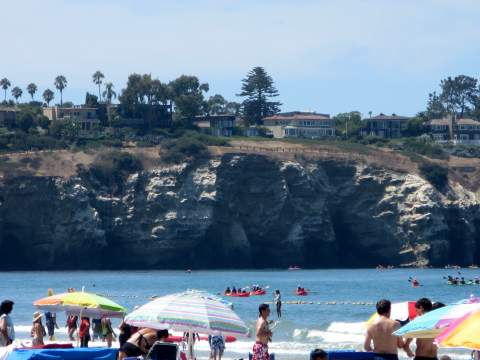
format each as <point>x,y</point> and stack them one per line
<point>38,331</point>
<point>425,349</point>
<point>140,343</point>
<point>385,344</point>
<point>263,334</point>
<point>7,330</point>
<point>278,303</point>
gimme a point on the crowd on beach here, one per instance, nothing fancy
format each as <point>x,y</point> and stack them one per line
<point>380,338</point>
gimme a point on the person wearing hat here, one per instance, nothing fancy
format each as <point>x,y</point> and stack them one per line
<point>7,331</point>
<point>38,331</point>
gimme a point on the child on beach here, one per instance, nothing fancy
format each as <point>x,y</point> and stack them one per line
<point>38,331</point>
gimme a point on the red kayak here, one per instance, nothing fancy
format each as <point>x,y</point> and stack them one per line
<point>258,292</point>
<point>238,294</point>
<point>301,293</point>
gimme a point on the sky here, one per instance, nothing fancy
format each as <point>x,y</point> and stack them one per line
<point>328,56</point>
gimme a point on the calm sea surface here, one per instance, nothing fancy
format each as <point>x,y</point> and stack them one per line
<point>350,295</point>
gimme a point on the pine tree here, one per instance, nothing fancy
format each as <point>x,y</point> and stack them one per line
<point>258,89</point>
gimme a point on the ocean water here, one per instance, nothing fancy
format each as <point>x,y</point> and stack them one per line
<point>339,301</point>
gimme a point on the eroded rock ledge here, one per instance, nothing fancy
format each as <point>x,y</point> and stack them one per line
<point>238,211</point>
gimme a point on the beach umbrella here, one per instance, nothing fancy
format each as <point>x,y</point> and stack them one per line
<point>434,322</point>
<point>400,311</point>
<point>189,311</point>
<point>462,333</point>
<point>82,304</point>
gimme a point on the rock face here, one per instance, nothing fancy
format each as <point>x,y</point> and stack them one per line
<point>247,211</point>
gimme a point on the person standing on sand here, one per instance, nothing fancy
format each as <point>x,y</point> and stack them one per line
<point>278,303</point>
<point>385,344</point>
<point>263,334</point>
<point>38,331</point>
<point>107,331</point>
<point>7,330</point>
<point>84,332</point>
<point>426,349</point>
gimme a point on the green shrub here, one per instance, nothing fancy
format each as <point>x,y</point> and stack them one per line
<point>435,174</point>
<point>112,169</point>
<point>183,149</point>
<point>423,146</point>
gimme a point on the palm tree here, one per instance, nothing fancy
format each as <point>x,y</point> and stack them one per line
<point>31,89</point>
<point>5,84</point>
<point>48,96</point>
<point>17,93</point>
<point>60,83</point>
<point>97,79</point>
<point>109,94</point>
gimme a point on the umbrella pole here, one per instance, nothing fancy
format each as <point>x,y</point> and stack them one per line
<point>190,344</point>
<point>79,324</point>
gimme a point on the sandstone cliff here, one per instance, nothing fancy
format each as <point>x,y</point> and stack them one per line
<point>238,210</point>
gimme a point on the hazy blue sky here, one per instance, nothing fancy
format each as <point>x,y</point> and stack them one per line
<point>327,56</point>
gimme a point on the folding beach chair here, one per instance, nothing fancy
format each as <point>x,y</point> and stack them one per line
<point>163,351</point>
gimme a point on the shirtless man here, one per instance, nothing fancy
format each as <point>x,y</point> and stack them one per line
<point>385,345</point>
<point>264,334</point>
<point>426,349</point>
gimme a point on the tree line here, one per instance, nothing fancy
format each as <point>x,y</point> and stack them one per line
<point>186,95</point>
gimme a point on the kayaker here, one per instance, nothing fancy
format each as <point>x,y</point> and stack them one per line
<point>385,344</point>
<point>425,348</point>
<point>263,334</point>
<point>228,291</point>
<point>234,290</point>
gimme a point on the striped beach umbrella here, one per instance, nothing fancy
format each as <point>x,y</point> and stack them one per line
<point>462,333</point>
<point>436,321</point>
<point>81,303</point>
<point>189,311</point>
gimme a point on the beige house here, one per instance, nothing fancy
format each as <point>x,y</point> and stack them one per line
<point>458,131</point>
<point>84,117</point>
<point>299,124</point>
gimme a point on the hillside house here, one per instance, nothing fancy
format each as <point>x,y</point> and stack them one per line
<point>384,126</point>
<point>299,124</point>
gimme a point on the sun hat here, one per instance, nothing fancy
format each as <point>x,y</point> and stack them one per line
<point>36,316</point>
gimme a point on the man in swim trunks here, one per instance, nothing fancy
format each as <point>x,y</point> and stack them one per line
<point>385,344</point>
<point>264,334</point>
<point>426,349</point>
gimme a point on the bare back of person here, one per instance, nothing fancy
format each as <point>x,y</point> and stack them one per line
<point>144,339</point>
<point>264,334</point>
<point>425,349</point>
<point>381,334</point>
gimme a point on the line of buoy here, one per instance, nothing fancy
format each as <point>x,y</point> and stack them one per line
<point>361,303</point>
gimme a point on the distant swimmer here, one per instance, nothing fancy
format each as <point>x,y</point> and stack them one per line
<point>380,333</point>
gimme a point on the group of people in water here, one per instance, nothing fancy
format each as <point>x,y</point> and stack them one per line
<point>381,340</point>
<point>456,280</point>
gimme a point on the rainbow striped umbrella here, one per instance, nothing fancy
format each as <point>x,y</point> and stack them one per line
<point>435,322</point>
<point>189,311</point>
<point>463,333</point>
<point>81,303</point>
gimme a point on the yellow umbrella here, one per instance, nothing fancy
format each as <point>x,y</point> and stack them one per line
<point>463,333</point>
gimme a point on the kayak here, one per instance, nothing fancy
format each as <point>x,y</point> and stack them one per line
<point>258,292</point>
<point>246,294</point>
<point>301,293</point>
<point>293,268</point>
